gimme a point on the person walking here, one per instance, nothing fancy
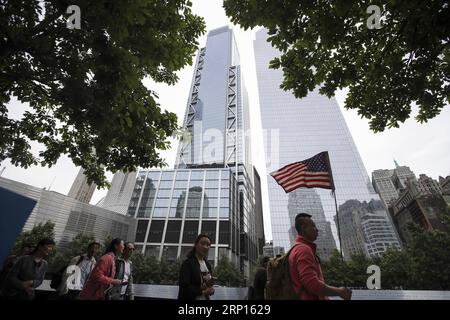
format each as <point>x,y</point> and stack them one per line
<point>28,272</point>
<point>305,271</point>
<point>195,281</point>
<point>124,272</point>
<point>257,291</point>
<point>102,276</point>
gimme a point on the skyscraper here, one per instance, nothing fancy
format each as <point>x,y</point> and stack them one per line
<point>389,183</point>
<point>119,194</point>
<point>296,129</point>
<point>422,202</point>
<point>81,190</point>
<point>211,189</point>
<point>365,228</point>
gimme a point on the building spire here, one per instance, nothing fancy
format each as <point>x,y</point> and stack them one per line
<point>396,164</point>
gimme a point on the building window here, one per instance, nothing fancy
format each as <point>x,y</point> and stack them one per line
<point>224,213</point>
<point>212,175</point>
<point>160,212</point>
<point>152,251</point>
<point>141,230</point>
<point>173,231</point>
<point>211,193</point>
<point>184,251</point>
<point>169,253</point>
<point>225,184</point>
<point>197,175</point>
<point>190,231</point>
<point>182,175</point>
<point>167,176</point>
<point>211,183</point>
<point>156,231</point>
<point>209,228</point>
<point>224,232</point>
<point>211,255</point>
<point>223,252</point>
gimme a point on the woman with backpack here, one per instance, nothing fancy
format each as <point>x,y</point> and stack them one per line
<point>102,276</point>
<point>195,282</point>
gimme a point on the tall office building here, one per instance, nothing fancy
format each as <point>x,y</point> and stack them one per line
<point>211,188</point>
<point>119,194</point>
<point>366,229</point>
<point>389,183</point>
<point>422,202</point>
<point>174,206</point>
<point>81,190</point>
<point>259,213</point>
<point>296,129</point>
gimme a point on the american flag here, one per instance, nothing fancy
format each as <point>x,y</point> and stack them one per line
<point>314,172</point>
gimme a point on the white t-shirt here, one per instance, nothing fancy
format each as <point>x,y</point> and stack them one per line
<point>205,276</point>
<point>85,269</point>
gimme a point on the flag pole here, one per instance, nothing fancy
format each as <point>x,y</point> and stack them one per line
<point>333,192</point>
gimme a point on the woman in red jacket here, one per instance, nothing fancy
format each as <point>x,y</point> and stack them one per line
<point>102,276</point>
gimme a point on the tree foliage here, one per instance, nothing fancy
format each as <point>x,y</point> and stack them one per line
<point>84,86</point>
<point>227,274</point>
<point>422,265</point>
<point>146,269</point>
<point>329,44</point>
<point>33,236</point>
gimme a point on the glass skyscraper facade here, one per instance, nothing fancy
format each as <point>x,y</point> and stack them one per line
<point>296,129</point>
<point>172,207</point>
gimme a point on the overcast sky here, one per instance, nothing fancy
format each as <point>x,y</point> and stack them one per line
<point>425,148</point>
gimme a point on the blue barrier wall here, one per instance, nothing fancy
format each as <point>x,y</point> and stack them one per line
<point>14,212</point>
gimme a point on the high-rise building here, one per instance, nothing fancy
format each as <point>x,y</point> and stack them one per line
<point>365,228</point>
<point>445,185</point>
<point>174,206</point>
<point>270,251</point>
<point>422,203</point>
<point>212,188</point>
<point>119,194</point>
<point>389,183</point>
<point>259,213</point>
<point>296,129</point>
<point>81,190</point>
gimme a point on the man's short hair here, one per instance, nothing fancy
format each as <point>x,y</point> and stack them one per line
<point>91,244</point>
<point>300,220</point>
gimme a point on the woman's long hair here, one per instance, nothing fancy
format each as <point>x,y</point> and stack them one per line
<point>112,245</point>
<point>191,253</point>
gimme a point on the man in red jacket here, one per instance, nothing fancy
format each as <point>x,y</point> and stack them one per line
<point>305,270</point>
